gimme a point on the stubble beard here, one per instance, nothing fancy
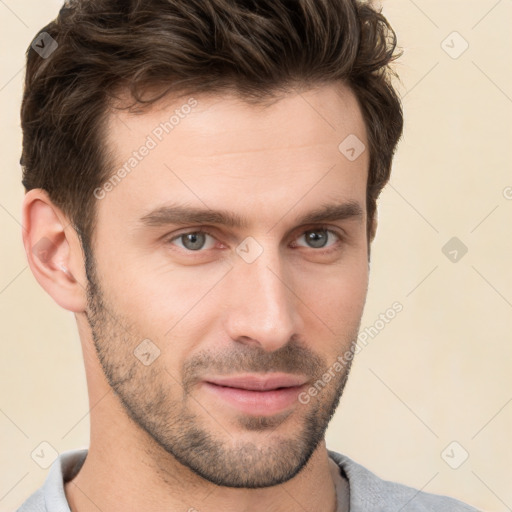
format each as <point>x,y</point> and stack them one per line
<point>161,405</point>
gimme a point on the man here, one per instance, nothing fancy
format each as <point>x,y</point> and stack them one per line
<point>201,182</point>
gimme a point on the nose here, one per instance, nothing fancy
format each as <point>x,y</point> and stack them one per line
<point>263,309</point>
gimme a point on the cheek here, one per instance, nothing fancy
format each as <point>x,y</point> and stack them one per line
<point>165,301</point>
<point>337,295</point>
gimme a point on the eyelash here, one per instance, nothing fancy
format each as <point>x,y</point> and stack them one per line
<point>325,228</point>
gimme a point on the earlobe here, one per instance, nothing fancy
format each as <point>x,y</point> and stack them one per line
<point>53,251</point>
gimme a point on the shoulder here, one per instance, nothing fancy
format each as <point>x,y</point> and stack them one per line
<point>370,493</point>
<point>51,495</point>
<point>35,503</point>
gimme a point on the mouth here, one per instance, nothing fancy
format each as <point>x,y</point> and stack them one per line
<point>256,382</point>
<point>257,395</point>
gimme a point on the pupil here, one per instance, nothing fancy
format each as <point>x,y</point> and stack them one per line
<point>196,239</point>
<point>318,241</point>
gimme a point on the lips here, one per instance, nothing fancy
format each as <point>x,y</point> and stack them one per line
<point>259,383</point>
<point>256,395</point>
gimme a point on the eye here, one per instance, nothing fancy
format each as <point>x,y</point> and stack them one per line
<point>193,240</point>
<point>317,238</point>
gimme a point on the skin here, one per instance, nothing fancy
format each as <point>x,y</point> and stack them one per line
<point>160,440</point>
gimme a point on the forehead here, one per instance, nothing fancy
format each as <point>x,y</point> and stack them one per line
<point>219,152</point>
<point>294,117</point>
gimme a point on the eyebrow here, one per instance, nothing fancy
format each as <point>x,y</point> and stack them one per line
<point>180,215</point>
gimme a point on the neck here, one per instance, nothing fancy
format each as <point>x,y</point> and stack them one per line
<point>123,472</point>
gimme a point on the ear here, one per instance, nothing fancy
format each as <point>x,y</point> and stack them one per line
<point>54,251</point>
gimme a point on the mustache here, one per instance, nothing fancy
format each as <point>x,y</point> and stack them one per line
<point>294,357</point>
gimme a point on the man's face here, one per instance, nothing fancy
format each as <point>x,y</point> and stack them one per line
<point>188,324</point>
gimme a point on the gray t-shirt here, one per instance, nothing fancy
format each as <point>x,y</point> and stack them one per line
<point>367,492</point>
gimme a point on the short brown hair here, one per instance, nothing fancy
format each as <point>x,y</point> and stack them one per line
<point>255,48</point>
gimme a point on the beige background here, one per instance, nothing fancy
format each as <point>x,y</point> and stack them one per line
<point>437,373</point>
